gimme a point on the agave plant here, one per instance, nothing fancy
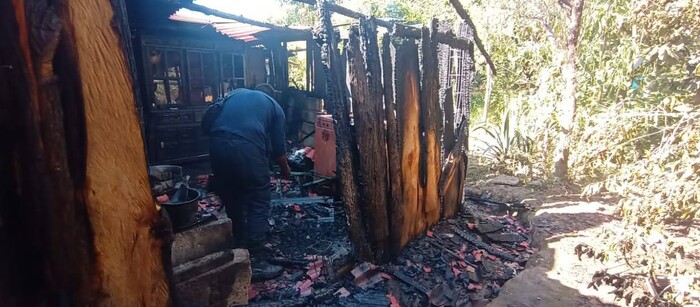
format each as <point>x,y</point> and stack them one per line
<point>503,139</point>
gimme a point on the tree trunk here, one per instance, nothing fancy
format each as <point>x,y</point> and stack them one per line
<point>487,96</point>
<point>77,208</point>
<point>567,109</point>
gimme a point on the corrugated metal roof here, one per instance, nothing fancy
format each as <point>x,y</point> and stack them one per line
<point>231,28</point>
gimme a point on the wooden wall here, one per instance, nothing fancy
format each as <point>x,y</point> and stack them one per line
<point>410,167</point>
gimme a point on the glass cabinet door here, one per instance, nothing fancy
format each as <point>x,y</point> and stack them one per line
<point>202,77</point>
<point>232,72</point>
<point>165,69</point>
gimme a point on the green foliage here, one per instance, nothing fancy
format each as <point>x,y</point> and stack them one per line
<point>638,108</point>
<point>297,70</point>
<point>639,134</point>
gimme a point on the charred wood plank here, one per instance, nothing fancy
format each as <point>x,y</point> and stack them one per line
<point>396,205</point>
<point>378,159</point>
<point>366,89</point>
<point>453,176</point>
<point>448,130</point>
<point>430,125</point>
<point>81,235</point>
<point>411,282</point>
<point>473,239</point>
<point>347,154</point>
<point>408,110</point>
<point>446,96</point>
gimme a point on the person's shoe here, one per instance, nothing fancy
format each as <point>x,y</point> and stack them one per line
<point>261,251</point>
<point>262,270</point>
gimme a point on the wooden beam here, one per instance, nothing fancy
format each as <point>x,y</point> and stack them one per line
<point>347,153</point>
<point>462,12</point>
<point>453,175</point>
<point>447,38</point>
<point>203,9</point>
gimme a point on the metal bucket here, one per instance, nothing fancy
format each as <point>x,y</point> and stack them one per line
<point>183,214</point>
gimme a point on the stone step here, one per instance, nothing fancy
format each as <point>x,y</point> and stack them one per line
<point>201,240</point>
<point>219,279</point>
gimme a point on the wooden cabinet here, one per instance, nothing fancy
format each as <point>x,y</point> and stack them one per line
<point>202,79</point>
<point>182,76</point>
<point>176,135</point>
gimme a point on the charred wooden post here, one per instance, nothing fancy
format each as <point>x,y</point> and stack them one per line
<point>76,206</point>
<point>430,125</point>
<point>447,38</point>
<point>371,140</point>
<point>395,203</point>
<point>347,154</point>
<point>366,87</point>
<point>408,114</point>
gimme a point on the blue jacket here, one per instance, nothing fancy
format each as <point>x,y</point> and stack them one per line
<point>256,117</point>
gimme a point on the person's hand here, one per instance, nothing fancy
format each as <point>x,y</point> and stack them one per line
<point>284,167</point>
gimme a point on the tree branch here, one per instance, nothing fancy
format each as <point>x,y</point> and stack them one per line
<point>547,30</point>
<point>462,12</point>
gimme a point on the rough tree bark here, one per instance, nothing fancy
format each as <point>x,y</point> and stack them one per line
<point>76,205</point>
<point>567,108</point>
<point>367,97</point>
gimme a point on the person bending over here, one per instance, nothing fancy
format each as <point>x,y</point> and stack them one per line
<point>249,129</point>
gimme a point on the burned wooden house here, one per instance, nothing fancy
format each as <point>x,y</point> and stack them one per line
<point>411,110</point>
<point>97,238</point>
<point>188,56</point>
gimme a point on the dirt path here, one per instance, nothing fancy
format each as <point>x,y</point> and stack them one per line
<point>560,221</point>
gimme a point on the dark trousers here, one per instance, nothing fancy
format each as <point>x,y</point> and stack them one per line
<point>242,174</point>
